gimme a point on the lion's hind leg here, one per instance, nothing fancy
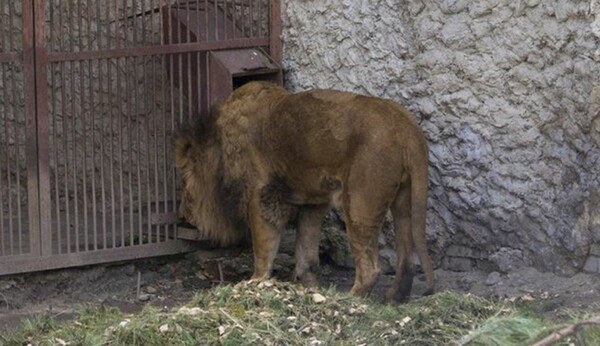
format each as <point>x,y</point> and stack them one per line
<point>366,201</point>
<point>307,243</point>
<point>405,268</point>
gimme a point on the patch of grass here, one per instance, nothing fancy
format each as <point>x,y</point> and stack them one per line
<point>278,313</point>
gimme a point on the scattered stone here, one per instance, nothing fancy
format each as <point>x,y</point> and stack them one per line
<point>144,297</point>
<point>151,289</point>
<point>318,298</point>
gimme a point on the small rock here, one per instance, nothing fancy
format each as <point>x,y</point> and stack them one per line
<point>493,278</point>
<point>163,329</point>
<point>151,289</point>
<point>318,298</point>
<point>144,297</point>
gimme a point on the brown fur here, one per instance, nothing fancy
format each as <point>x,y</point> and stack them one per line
<point>278,153</point>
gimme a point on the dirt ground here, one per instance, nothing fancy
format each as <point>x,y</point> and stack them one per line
<point>172,281</point>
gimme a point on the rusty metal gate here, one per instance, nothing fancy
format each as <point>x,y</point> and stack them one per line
<point>91,93</point>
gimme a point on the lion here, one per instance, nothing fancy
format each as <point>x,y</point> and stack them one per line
<point>266,155</point>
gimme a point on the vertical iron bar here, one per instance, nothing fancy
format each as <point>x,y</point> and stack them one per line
<point>260,18</point>
<point>55,146</point>
<point>275,30</point>
<point>172,112</point>
<point>216,9</point>
<point>120,149</point>
<point>101,130</point>
<point>242,19</point>
<point>7,166</point>
<point>133,22</point>
<point>152,117</point>
<point>92,193</point>
<point>130,149</point>
<point>250,18</point>
<point>125,31</point>
<point>16,126</point>
<point>155,142</point>
<point>164,63</point>
<point>63,47</point>
<point>224,9</point>
<point>74,130</point>
<point>112,135</point>
<point>2,155</point>
<point>233,16</point>
<point>92,109</point>
<point>207,34</point>
<point>4,117</point>
<point>8,159</point>
<point>84,137</point>
<point>136,114</point>
<point>44,219</point>
<point>189,63</point>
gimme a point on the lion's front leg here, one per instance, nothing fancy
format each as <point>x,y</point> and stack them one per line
<point>265,243</point>
<point>268,215</point>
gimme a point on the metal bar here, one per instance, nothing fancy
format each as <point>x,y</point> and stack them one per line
<point>4,116</point>
<point>207,38</point>
<point>216,9</point>
<point>162,62</point>
<point>172,112</point>
<point>93,130</point>
<point>147,117</point>
<point>250,19</point>
<point>125,37</point>
<point>42,226</point>
<point>144,18</point>
<point>14,104</point>
<point>136,114</point>
<point>10,56</point>
<point>155,142</point>
<point>133,24</point>
<point>130,150</point>
<point>116,31</point>
<point>225,19</point>
<point>84,136</point>
<point>275,46</point>
<point>111,155</point>
<point>99,25</point>
<point>102,178</point>
<point>12,265</point>
<point>120,149</point>
<point>260,18</point>
<point>54,112</point>
<point>74,133</point>
<point>17,140</point>
<point>65,134</point>
<point>113,203</point>
<point>8,175</point>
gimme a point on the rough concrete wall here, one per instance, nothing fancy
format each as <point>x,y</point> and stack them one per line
<point>508,94</point>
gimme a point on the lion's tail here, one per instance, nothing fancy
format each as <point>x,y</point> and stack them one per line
<point>419,181</point>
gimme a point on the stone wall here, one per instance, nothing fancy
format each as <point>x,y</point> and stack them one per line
<point>508,94</point>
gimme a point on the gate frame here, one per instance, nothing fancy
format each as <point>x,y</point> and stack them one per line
<point>35,59</point>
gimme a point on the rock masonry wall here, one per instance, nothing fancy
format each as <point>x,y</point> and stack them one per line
<point>508,95</point>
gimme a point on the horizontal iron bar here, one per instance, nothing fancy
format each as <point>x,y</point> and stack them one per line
<point>11,57</point>
<point>157,50</point>
<point>163,218</point>
<point>22,264</point>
